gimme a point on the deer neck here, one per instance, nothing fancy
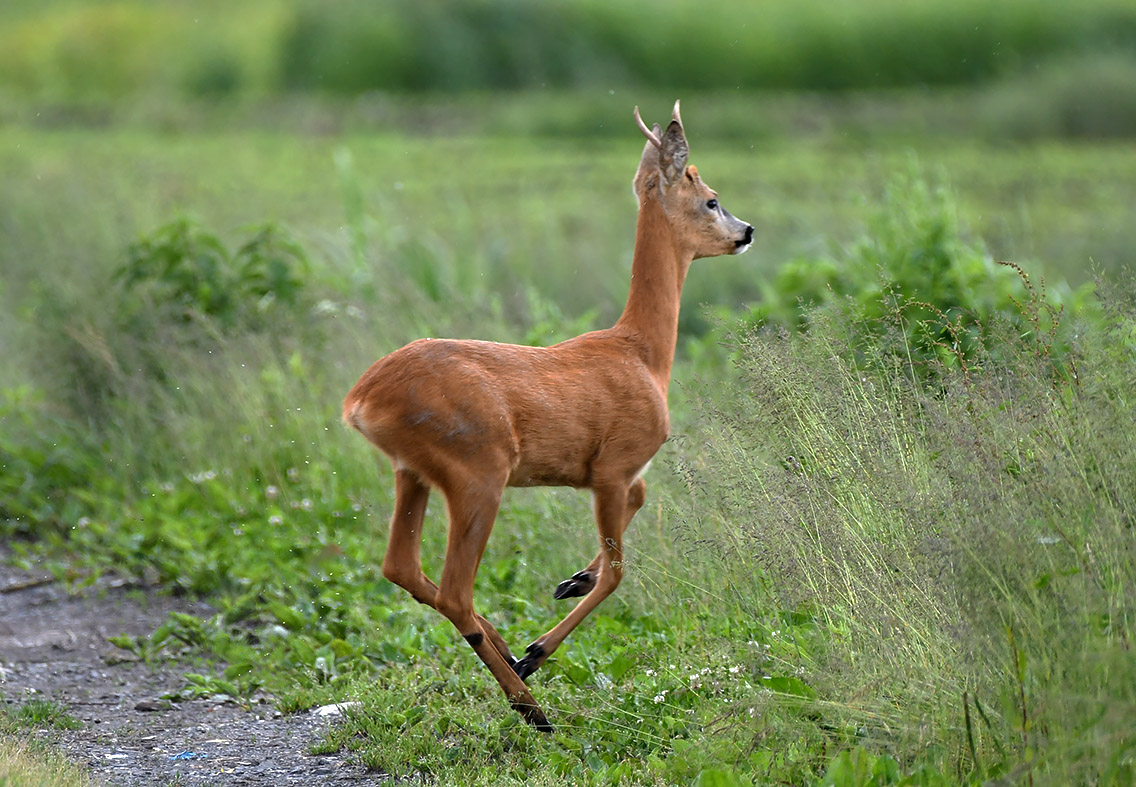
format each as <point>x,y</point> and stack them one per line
<point>658,270</point>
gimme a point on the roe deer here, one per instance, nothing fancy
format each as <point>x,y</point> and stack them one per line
<point>473,417</point>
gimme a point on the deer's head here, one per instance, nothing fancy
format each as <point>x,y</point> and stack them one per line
<point>696,218</point>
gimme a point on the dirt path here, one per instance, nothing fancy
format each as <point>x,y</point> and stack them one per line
<point>53,645</point>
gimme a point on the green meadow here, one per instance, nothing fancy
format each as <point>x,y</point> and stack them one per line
<point>852,568</point>
<point>890,540</point>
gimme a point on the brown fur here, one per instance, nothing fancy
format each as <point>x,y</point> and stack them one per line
<point>472,417</point>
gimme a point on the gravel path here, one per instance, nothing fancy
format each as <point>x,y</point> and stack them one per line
<point>54,646</point>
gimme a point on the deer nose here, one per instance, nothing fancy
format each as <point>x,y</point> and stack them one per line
<point>748,237</point>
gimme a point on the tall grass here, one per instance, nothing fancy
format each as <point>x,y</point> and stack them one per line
<point>967,549</point>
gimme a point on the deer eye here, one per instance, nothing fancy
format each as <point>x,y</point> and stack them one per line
<point>712,204</point>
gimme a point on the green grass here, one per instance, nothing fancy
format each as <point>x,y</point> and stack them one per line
<point>838,572</point>
<point>37,713</point>
<point>32,765</point>
<point>943,540</point>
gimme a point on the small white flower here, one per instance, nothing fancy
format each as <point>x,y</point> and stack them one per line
<point>306,504</point>
<point>662,695</point>
<point>293,474</point>
<point>734,670</point>
<point>649,672</point>
<point>271,492</point>
<point>275,520</point>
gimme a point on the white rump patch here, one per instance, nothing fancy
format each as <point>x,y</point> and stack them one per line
<point>642,470</point>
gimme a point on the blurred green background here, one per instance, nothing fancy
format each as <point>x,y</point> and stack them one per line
<point>117,49</point>
<point>215,215</point>
<point>1049,67</point>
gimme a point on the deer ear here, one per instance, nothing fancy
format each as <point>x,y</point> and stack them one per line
<point>648,166</point>
<point>674,153</point>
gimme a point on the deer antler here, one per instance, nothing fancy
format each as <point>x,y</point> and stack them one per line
<point>647,132</point>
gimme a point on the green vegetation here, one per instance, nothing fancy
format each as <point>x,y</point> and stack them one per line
<point>855,563</point>
<point>35,713</point>
<point>186,267</point>
<point>30,765</point>
<point>944,539</point>
<point>890,540</point>
<point>922,296</point>
<point>68,48</point>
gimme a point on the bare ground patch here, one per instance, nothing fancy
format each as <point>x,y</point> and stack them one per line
<point>53,645</point>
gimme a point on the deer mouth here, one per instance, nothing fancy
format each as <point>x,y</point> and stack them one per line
<point>742,246</point>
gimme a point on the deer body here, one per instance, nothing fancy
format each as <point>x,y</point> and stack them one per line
<point>472,417</point>
<point>437,403</point>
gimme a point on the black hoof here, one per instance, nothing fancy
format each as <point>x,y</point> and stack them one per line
<point>530,662</point>
<point>533,715</point>
<point>579,584</point>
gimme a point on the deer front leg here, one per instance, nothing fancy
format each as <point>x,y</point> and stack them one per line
<point>582,582</point>
<point>615,505</point>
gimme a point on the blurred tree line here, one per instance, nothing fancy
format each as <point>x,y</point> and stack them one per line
<point>116,48</point>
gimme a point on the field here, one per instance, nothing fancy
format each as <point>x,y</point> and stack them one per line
<point>889,541</point>
<point>851,569</point>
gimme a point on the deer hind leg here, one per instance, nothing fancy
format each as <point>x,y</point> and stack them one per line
<point>402,564</point>
<point>472,514</point>
<point>582,582</point>
<point>615,505</point>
